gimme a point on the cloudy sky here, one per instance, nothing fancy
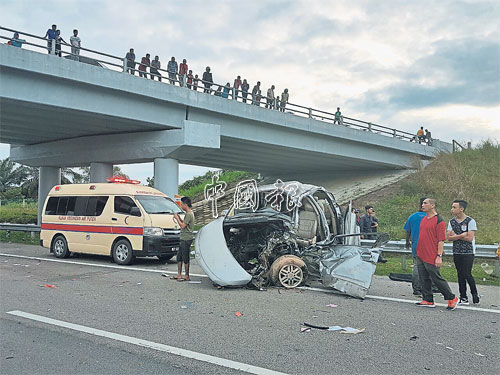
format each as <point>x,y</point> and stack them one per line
<point>402,64</point>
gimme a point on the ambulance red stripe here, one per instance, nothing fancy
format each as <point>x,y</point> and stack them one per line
<point>94,229</point>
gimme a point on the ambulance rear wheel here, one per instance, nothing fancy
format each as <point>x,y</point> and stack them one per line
<point>60,247</point>
<point>122,252</point>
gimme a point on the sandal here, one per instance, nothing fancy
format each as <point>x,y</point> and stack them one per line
<point>175,278</point>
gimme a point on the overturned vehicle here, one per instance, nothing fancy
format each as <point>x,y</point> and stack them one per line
<point>283,234</point>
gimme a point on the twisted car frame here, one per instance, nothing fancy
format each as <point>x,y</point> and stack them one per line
<point>284,239</point>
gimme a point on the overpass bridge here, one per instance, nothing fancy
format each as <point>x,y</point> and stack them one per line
<point>57,112</point>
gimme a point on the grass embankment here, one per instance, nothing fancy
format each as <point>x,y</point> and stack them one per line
<point>194,188</point>
<point>472,175</point>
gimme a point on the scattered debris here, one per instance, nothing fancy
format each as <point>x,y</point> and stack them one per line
<point>164,274</point>
<point>480,355</point>
<point>393,324</point>
<point>139,283</point>
<point>194,281</point>
<point>315,316</point>
<point>48,286</point>
<point>439,343</point>
<point>336,328</point>
<point>413,338</point>
<point>305,329</point>
<point>332,305</point>
<point>187,305</point>
<point>489,336</point>
<point>238,314</point>
<point>11,357</point>
<point>449,348</point>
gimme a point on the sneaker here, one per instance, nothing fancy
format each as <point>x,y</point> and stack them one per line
<point>425,303</point>
<point>475,299</point>
<point>463,301</point>
<point>452,304</point>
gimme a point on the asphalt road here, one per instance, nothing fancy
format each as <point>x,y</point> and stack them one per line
<point>137,302</point>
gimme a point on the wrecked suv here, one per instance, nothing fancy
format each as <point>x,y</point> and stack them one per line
<point>289,232</point>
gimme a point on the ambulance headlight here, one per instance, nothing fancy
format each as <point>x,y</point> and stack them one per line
<point>153,231</point>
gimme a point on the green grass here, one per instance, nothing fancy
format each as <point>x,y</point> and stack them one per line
<point>472,175</point>
<point>17,214</point>
<point>20,237</point>
<point>448,271</point>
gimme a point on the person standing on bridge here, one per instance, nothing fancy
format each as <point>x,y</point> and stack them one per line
<point>145,63</point>
<point>186,237</point>
<point>338,117</point>
<point>172,70</point>
<point>15,41</point>
<point>183,70</point>
<point>207,80</point>
<point>421,135</point>
<point>256,94</point>
<point>59,40</point>
<point>130,57</point>
<point>51,36</point>
<point>430,250</point>
<point>461,231</point>
<point>189,79</point>
<point>196,79</point>
<point>284,100</point>
<point>428,137</point>
<point>75,42</point>
<point>270,97</point>
<point>155,65</point>
<point>245,86</point>
<point>236,87</point>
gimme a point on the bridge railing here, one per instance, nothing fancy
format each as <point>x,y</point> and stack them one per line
<point>121,64</point>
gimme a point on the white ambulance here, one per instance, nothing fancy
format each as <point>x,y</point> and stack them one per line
<point>121,219</point>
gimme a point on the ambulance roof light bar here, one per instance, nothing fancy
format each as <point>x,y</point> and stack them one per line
<point>122,180</point>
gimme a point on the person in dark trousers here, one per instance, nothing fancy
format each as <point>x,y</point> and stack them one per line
<point>368,224</point>
<point>412,228</point>
<point>145,63</point>
<point>461,231</point>
<point>186,237</point>
<point>245,86</point>
<point>130,57</point>
<point>155,65</point>
<point>51,35</point>
<point>207,80</point>
<point>59,40</point>
<point>430,250</point>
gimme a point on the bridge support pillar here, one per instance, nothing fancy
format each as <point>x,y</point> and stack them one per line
<point>48,177</point>
<point>100,171</point>
<point>167,176</point>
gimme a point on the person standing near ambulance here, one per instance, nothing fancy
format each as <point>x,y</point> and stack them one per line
<point>461,231</point>
<point>186,239</point>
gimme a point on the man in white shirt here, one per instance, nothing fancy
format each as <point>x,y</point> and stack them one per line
<point>75,42</point>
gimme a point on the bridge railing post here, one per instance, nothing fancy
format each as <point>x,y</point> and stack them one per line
<point>53,47</point>
<point>369,126</point>
<point>394,133</point>
<point>124,65</point>
<point>310,113</point>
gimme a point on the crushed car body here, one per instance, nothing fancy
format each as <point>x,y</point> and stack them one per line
<point>282,234</point>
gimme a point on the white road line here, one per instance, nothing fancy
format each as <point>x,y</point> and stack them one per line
<point>126,268</point>
<point>122,268</point>
<point>403,300</point>
<point>150,344</point>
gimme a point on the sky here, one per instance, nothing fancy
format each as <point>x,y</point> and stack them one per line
<point>402,64</point>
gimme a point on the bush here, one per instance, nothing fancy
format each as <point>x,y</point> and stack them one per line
<point>18,215</point>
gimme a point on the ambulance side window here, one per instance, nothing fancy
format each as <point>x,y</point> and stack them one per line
<point>62,206</point>
<point>95,206</point>
<point>51,207</point>
<point>81,206</point>
<point>123,205</point>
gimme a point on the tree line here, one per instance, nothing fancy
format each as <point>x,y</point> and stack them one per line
<point>21,182</point>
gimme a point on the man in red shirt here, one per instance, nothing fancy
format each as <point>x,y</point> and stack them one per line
<point>430,250</point>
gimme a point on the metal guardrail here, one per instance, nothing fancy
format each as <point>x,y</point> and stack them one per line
<point>121,64</point>
<point>396,247</point>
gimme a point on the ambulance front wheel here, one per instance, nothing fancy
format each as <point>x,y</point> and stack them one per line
<point>60,247</point>
<point>122,252</point>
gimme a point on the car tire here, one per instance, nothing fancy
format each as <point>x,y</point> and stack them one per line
<point>122,252</point>
<point>60,247</point>
<point>288,271</point>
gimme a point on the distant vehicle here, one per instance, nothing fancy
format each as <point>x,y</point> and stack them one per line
<point>120,219</point>
<point>282,247</point>
<point>86,60</point>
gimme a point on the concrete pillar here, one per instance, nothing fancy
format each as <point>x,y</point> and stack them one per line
<point>48,177</point>
<point>100,171</point>
<point>167,176</point>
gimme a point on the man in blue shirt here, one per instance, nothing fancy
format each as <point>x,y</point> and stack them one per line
<point>51,35</point>
<point>412,228</point>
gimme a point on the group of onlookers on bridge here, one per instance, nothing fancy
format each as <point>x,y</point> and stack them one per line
<point>183,76</point>
<point>422,136</point>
